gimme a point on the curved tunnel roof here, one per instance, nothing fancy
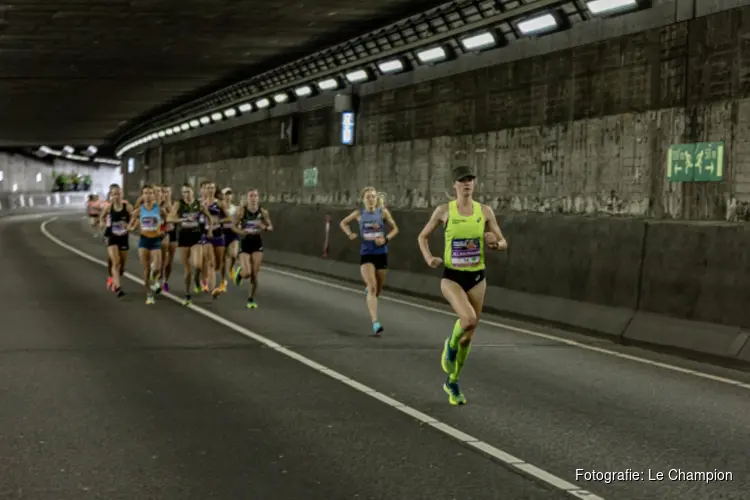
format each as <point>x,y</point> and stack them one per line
<point>77,72</point>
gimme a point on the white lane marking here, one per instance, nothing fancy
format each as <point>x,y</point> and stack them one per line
<point>546,336</point>
<point>27,217</point>
<point>481,446</point>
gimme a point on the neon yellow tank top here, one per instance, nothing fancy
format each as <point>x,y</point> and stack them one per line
<point>464,239</point>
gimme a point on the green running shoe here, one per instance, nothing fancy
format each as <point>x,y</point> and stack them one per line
<point>455,396</point>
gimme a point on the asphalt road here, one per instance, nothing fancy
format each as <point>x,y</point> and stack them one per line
<point>113,399</point>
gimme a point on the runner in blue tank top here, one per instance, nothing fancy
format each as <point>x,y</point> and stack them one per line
<point>374,248</point>
<point>150,217</point>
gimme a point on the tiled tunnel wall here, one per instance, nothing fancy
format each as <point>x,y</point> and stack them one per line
<point>580,131</point>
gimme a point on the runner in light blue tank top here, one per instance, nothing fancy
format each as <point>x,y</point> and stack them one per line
<point>373,251</point>
<point>150,217</point>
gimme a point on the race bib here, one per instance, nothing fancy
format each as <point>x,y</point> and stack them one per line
<point>252,226</point>
<point>119,228</point>
<point>191,221</point>
<point>150,223</point>
<point>465,252</point>
<point>372,230</point>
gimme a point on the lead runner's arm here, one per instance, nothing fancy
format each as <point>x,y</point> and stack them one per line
<point>494,228</point>
<point>436,218</point>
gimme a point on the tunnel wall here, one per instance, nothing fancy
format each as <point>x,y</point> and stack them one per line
<point>675,284</point>
<point>22,171</point>
<point>581,131</point>
<point>570,148</point>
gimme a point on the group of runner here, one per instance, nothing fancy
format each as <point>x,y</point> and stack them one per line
<point>470,229</point>
<point>209,229</point>
<point>206,230</point>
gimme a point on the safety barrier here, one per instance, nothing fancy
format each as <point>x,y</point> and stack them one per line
<point>25,201</point>
<point>673,284</point>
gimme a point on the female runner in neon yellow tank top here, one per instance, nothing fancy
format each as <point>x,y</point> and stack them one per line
<point>470,227</point>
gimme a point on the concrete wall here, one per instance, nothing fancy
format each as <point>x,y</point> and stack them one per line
<point>680,285</point>
<point>22,171</point>
<point>578,132</point>
<point>581,131</point>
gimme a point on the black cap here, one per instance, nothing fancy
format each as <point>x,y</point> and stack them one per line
<point>463,172</point>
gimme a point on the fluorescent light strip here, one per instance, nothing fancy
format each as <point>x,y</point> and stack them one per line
<point>328,84</point>
<point>357,76</point>
<point>244,108</point>
<point>162,134</point>
<point>168,132</point>
<point>431,55</point>
<point>262,103</point>
<point>479,41</point>
<point>229,113</point>
<point>216,117</point>
<point>538,24</point>
<point>176,129</point>
<point>303,91</point>
<point>281,98</point>
<point>107,161</point>
<point>205,120</point>
<point>195,123</point>
<point>597,7</point>
<point>185,127</point>
<point>392,66</point>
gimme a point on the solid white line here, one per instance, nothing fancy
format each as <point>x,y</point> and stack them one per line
<point>26,217</point>
<point>546,336</point>
<point>475,443</point>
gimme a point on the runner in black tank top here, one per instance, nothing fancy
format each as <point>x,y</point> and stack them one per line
<point>188,215</point>
<point>117,217</point>
<point>169,247</point>
<point>250,221</point>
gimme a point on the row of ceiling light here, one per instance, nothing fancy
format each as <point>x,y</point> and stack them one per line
<point>538,24</point>
<point>69,153</point>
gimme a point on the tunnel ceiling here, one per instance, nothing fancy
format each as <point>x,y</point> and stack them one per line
<point>74,72</point>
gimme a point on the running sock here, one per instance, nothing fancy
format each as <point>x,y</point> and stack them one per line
<point>463,353</point>
<point>458,332</point>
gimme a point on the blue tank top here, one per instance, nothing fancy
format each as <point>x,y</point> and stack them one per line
<point>150,219</point>
<point>371,226</point>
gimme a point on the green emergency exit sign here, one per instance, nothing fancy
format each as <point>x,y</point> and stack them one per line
<point>699,162</point>
<point>310,177</point>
